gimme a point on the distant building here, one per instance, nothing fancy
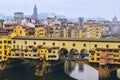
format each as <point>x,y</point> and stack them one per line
<point>81,22</point>
<point>18,31</point>
<point>94,29</point>
<point>115,18</point>
<point>1,24</point>
<point>40,31</point>
<point>35,12</point>
<point>115,21</point>
<point>18,17</point>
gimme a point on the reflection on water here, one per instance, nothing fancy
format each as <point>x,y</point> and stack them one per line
<point>81,71</point>
<point>72,70</point>
<point>20,73</point>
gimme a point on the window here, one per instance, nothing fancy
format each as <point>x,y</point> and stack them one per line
<point>92,58</point>
<point>116,51</point>
<point>0,52</point>
<point>26,47</point>
<point>5,52</point>
<point>92,54</point>
<point>73,44</point>
<point>9,54</point>
<point>0,57</point>
<point>98,59</point>
<point>5,57</point>
<point>21,47</point>
<point>110,50</point>
<point>34,43</point>
<point>5,47</point>
<point>14,46</point>
<point>53,51</point>
<point>103,50</point>
<point>107,46</point>
<point>34,49</point>
<point>22,54</point>
<point>26,55</point>
<point>9,42</point>
<point>0,42</point>
<point>97,29</point>
<point>0,47</point>
<point>43,43</point>
<point>98,54</point>
<point>53,44</point>
<point>63,44</point>
<point>118,46</point>
<point>14,42</point>
<point>17,54</point>
<point>84,45</point>
<point>20,32</point>
<point>95,45</point>
<point>34,55</point>
<point>49,50</point>
<point>17,46</point>
<point>25,42</point>
<point>5,41</point>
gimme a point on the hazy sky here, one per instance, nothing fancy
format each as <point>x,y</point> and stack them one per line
<point>69,8</point>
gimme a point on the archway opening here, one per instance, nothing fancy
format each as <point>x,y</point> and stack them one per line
<point>84,53</point>
<point>74,53</point>
<point>63,52</point>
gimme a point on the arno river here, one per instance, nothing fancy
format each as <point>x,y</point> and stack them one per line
<point>71,71</point>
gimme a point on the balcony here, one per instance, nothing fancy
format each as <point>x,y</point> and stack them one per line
<point>110,53</point>
<point>103,55</point>
<point>111,56</point>
<point>111,61</point>
<point>15,50</point>
<point>102,61</point>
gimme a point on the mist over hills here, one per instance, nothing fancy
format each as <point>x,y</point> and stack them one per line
<point>45,15</point>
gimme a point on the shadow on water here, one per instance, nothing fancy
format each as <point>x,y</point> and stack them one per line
<point>20,73</point>
<point>79,71</point>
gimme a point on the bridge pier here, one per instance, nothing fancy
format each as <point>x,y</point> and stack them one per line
<point>2,65</point>
<point>104,72</point>
<point>40,69</point>
<point>48,67</point>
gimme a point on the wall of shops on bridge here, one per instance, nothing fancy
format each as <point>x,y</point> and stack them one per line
<point>78,45</point>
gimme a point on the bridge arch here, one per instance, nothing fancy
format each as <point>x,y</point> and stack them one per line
<point>74,53</point>
<point>63,52</point>
<point>83,53</point>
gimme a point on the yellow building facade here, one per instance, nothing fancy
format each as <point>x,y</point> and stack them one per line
<point>35,48</point>
<point>105,56</point>
<point>40,32</point>
<point>94,30</point>
<point>5,48</point>
<point>18,31</point>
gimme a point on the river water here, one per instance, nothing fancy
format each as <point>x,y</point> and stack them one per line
<point>71,71</point>
<point>81,71</point>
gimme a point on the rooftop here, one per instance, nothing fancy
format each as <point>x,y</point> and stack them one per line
<point>67,39</point>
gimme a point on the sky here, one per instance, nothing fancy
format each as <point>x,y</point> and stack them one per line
<point>70,8</point>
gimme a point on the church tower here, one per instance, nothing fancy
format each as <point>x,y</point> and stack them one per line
<point>115,18</point>
<point>35,13</point>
